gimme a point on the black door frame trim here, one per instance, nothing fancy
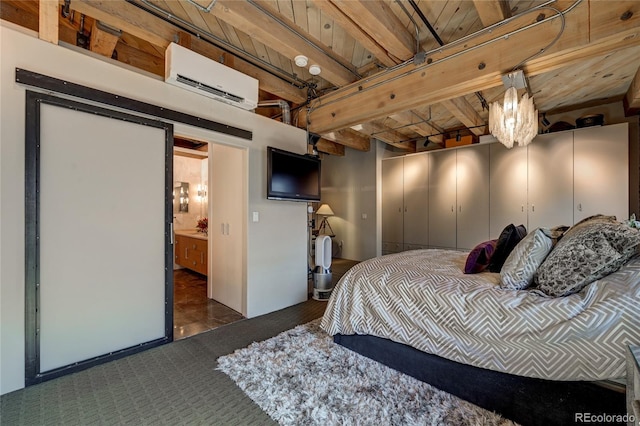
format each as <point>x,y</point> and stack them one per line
<point>34,100</point>
<point>34,79</point>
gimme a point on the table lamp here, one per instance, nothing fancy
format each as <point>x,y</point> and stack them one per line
<point>325,211</point>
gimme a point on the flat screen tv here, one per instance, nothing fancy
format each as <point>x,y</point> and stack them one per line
<point>292,176</point>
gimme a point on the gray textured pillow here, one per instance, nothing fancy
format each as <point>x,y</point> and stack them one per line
<point>521,265</point>
<point>588,251</point>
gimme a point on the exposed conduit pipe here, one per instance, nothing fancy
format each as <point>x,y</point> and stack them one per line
<point>426,22</point>
<point>282,104</point>
<point>202,8</point>
<point>424,19</point>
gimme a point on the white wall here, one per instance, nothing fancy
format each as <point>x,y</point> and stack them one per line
<point>276,245</point>
<point>349,187</point>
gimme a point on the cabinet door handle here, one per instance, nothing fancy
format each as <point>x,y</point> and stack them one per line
<point>222,228</point>
<point>460,209</point>
<point>227,229</point>
<point>522,208</point>
<point>533,208</point>
<point>579,207</point>
<point>405,209</point>
<point>399,209</point>
<point>452,208</point>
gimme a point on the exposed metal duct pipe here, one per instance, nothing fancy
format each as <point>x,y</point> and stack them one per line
<point>282,104</point>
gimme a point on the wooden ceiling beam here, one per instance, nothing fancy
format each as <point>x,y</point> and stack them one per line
<point>351,139</point>
<point>249,19</point>
<point>368,42</point>
<point>389,136</point>
<point>447,77</point>
<point>421,127</point>
<point>632,98</point>
<point>492,11</point>
<point>466,113</point>
<point>330,147</point>
<point>103,39</point>
<point>378,21</point>
<point>48,21</point>
<point>135,21</point>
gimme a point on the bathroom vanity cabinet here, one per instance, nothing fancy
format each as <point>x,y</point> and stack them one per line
<point>191,251</point>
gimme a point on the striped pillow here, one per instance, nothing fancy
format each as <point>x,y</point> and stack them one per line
<point>521,265</point>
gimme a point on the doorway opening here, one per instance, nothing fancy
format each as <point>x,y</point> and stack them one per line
<point>193,311</point>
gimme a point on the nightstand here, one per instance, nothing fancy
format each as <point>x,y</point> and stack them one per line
<point>633,384</point>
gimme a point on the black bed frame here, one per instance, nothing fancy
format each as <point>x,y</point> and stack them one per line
<point>525,400</point>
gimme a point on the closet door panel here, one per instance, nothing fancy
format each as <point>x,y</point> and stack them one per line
<point>550,181</point>
<point>392,200</point>
<point>227,226</point>
<point>442,199</point>
<point>472,171</point>
<point>416,200</point>
<point>507,187</point>
<point>601,171</point>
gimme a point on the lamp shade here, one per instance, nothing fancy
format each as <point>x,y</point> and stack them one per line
<point>325,210</point>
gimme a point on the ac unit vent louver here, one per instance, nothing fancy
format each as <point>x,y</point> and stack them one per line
<point>199,74</point>
<point>201,86</point>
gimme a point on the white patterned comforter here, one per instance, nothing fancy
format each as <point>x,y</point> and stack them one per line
<point>423,299</point>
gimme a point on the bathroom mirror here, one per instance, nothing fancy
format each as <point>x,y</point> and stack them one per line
<point>181,197</point>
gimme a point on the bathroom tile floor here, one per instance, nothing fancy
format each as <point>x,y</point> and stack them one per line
<point>193,312</point>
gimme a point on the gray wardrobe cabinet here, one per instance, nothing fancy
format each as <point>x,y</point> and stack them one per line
<point>457,198</point>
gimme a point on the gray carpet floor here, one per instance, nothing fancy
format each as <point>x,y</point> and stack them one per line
<point>173,384</point>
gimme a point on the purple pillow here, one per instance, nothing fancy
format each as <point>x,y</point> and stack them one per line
<point>479,258</point>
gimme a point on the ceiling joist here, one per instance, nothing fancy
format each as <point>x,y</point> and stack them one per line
<point>48,27</point>
<point>376,19</point>
<point>492,11</point>
<point>632,98</point>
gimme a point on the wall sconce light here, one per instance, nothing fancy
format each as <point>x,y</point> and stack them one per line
<point>202,191</point>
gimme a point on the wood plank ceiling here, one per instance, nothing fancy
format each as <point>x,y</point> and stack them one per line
<point>394,70</point>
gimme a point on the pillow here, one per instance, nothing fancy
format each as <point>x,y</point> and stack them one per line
<point>521,265</point>
<point>509,238</point>
<point>557,232</point>
<point>588,251</point>
<point>478,259</point>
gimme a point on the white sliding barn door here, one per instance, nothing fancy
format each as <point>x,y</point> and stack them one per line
<point>101,235</point>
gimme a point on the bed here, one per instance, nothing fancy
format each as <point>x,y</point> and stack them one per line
<point>534,359</point>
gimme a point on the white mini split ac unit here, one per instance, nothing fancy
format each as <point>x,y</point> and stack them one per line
<point>192,71</point>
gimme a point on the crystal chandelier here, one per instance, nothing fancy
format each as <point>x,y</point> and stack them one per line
<point>515,120</point>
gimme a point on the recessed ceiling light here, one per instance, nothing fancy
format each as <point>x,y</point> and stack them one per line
<point>301,60</point>
<point>314,69</point>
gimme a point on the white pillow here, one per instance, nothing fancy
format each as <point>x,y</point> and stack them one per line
<point>521,265</point>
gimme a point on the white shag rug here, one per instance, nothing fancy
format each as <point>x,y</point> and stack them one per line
<point>301,377</point>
